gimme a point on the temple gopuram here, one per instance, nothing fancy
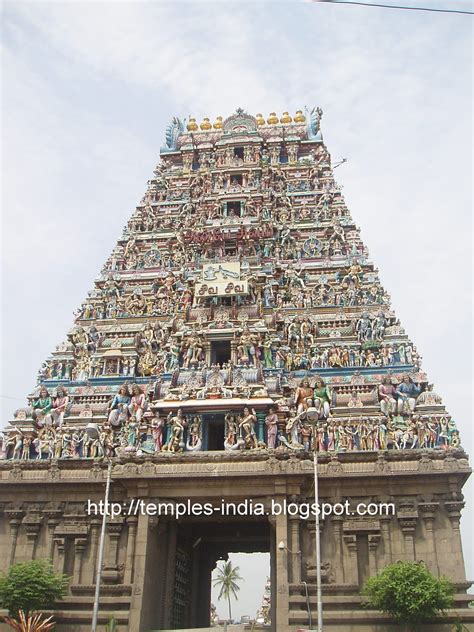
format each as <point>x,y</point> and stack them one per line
<point>237,325</point>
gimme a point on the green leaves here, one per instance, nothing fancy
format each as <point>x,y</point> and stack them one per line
<point>31,586</point>
<point>228,578</point>
<point>409,593</point>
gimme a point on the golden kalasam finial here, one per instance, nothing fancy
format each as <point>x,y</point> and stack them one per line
<point>286,118</point>
<point>299,117</point>
<point>192,125</point>
<point>260,119</point>
<point>218,123</point>
<point>206,124</point>
<point>272,119</point>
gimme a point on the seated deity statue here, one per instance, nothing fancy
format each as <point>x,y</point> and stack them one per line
<point>137,404</point>
<point>42,408</point>
<point>59,406</point>
<point>407,393</point>
<point>322,399</point>
<point>118,408</point>
<point>387,397</point>
<point>303,396</point>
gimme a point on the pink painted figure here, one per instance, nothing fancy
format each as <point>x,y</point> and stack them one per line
<point>271,422</point>
<point>136,408</point>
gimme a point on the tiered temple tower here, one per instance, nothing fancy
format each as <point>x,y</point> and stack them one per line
<point>237,325</point>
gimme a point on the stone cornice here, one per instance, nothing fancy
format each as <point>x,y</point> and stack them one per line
<point>202,465</point>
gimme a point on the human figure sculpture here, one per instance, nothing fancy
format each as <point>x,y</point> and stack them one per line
<point>194,434</point>
<point>267,346</point>
<point>387,397</point>
<point>306,336</point>
<point>293,277</point>
<point>364,327</point>
<point>157,425</point>
<point>293,427</point>
<point>178,424</point>
<point>271,422</point>
<point>42,408</point>
<point>231,432</point>
<point>379,326</point>
<point>306,434</point>
<point>322,399</point>
<point>246,348</point>
<point>294,333</point>
<point>137,404</point>
<point>406,393</point>
<point>303,396</point>
<point>132,432</point>
<point>118,409</point>
<point>25,450</point>
<point>247,428</point>
<point>354,275</point>
<point>59,406</point>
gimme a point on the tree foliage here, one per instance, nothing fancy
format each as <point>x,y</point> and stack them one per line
<point>409,593</point>
<point>31,586</point>
<point>228,578</point>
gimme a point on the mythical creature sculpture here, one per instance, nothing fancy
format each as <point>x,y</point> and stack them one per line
<point>173,132</point>
<point>314,123</point>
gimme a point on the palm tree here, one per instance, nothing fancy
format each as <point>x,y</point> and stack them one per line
<point>228,578</point>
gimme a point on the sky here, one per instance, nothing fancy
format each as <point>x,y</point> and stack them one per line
<point>89,87</point>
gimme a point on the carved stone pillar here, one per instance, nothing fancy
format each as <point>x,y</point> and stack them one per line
<point>273,552</point>
<point>311,563</point>
<point>60,548</point>
<point>32,524</point>
<point>206,347</point>
<point>351,567</point>
<point>111,573</point>
<point>408,518</point>
<point>281,571</point>
<point>274,150</point>
<point>233,351</point>
<point>428,511</point>
<point>337,561</point>
<point>14,516</point>
<point>53,517</point>
<point>374,541</point>
<point>187,161</point>
<point>454,508</point>
<point>386,540</point>
<point>292,152</point>
<point>79,548</point>
<point>94,547</point>
<point>144,527</point>
<point>295,548</point>
<point>132,522</point>
<point>170,572</point>
<point>261,426</point>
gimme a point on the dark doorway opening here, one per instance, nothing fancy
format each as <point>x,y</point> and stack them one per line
<point>237,179</point>
<point>215,426</point>
<point>233,208</point>
<point>239,152</point>
<point>202,545</point>
<point>220,351</point>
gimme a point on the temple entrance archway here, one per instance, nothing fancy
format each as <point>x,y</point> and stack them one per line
<point>199,546</point>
